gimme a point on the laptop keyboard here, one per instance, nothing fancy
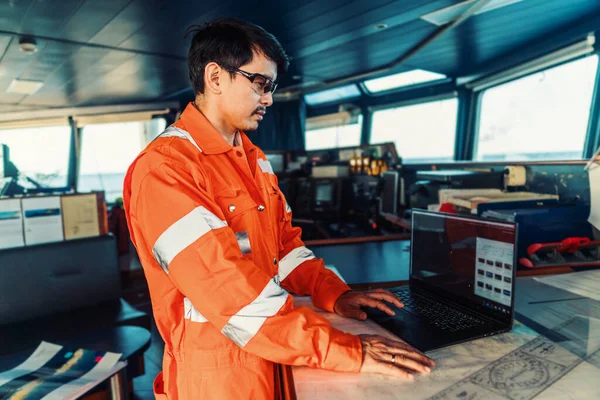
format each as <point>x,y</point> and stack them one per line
<point>438,314</point>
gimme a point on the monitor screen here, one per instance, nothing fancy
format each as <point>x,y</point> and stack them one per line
<point>277,161</point>
<point>7,169</point>
<point>324,193</point>
<point>472,260</point>
<point>389,195</point>
<point>3,159</point>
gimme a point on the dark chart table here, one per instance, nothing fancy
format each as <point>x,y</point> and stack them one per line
<point>381,264</point>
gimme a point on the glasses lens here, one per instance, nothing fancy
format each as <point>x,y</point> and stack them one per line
<point>270,87</point>
<point>264,86</point>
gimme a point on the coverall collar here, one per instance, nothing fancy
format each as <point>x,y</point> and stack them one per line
<point>205,134</point>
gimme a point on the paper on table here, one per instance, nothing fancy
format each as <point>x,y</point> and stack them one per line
<point>80,216</point>
<point>581,283</point>
<point>42,220</point>
<point>53,372</point>
<point>594,174</point>
<point>11,224</point>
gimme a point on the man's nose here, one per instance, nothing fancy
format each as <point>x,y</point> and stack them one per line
<point>267,99</point>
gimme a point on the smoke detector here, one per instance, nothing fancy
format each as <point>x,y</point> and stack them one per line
<point>27,45</point>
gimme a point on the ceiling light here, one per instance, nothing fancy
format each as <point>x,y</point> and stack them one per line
<point>21,86</point>
<point>297,77</point>
<point>449,14</point>
<point>27,45</point>
<point>402,79</point>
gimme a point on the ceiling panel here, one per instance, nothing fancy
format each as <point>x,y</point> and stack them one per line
<point>91,17</point>
<point>12,13</point>
<point>14,61</point>
<point>128,21</point>
<point>481,40</point>
<point>46,17</point>
<point>168,37</point>
<point>50,59</point>
<point>307,12</point>
<point>70,80</point>
<point>474,43</point>
<point>327,31</point>
<point>5,41</point>
<point>116,51</point>
<point>380,50</point>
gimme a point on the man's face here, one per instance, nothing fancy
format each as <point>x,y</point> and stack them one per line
<point>243,102</point>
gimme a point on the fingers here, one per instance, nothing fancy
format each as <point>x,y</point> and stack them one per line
<point>405,361</point>
<point>407,351</point>
<point>352,311</point>
<point>376,366</point>
<point>355,313</point>
<point>394,370</point>
<point>382,294</point>
<point>385,356</point>
<point>374,303</point>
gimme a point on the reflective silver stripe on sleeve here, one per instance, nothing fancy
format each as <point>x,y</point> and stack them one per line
<point>182,233</point>
<point>242,327</point>
<point>265,166</point>
<point>173,131</point>
<point>293,260</point>
<point>243,241</point>
<point>191,313</point>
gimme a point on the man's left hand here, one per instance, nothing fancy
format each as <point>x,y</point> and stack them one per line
<point>348,305</point>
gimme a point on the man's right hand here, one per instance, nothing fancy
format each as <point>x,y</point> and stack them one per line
<point>390,357</point>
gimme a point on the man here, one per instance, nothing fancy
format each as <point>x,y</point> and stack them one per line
<point>213,233</point>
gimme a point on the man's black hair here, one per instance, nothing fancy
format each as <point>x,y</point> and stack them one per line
<point>230,42</point>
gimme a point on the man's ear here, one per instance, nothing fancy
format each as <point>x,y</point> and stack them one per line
<point>213,73</point>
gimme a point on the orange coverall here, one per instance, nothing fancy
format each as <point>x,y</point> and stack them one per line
<point>214,235</point>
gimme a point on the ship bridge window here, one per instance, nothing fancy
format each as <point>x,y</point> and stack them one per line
<point>40,153</point>
<point>107,150</point>
<point>543,116</point>
<point>332,131</point>
<point>422,133</point>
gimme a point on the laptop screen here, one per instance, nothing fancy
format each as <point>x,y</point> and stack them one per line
<point>470,260</point>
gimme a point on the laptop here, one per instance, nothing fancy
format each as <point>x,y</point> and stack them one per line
<point>462,281</point>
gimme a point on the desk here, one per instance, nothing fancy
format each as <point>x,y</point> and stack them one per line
<point>130,341</point>
<point>386,263</point>
<point>521,364</point>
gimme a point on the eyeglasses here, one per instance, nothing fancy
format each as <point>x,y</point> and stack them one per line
<point>261,84</point>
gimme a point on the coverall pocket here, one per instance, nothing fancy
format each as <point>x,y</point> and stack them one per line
<point>234,203</point>
<point>159,387</point>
